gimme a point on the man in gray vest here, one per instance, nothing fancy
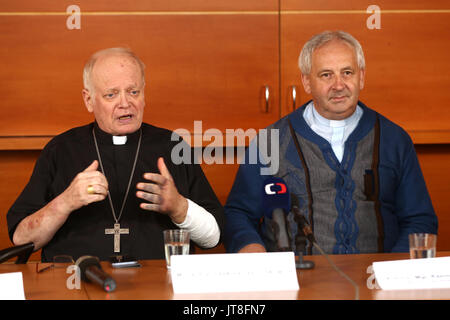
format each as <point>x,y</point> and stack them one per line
<point>355,173</point>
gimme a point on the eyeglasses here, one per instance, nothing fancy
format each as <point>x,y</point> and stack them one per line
<point>59,261</point>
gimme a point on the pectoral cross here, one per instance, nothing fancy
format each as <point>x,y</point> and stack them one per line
<point>117,232</point>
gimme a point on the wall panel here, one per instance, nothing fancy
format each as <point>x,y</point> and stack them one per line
<point>406,59</point>
<point>201,65</point>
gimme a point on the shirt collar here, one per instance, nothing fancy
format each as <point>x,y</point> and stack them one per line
<point>107,138</point>
<point>119,140</point>
<point>318,120</point>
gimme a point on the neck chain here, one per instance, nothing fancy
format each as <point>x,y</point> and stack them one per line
<point>116,219</point>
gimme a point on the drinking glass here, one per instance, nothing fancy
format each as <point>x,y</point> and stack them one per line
<point>422,245</point>
<point>176,241</point>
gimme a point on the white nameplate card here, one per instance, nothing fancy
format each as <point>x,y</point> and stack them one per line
<point>11,286</point>
<point>427,273</point>
<point>234,272</point>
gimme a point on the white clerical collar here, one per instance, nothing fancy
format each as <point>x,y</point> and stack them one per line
<point>119,140</point>
<point>335,132</point>
<point>318,119</point>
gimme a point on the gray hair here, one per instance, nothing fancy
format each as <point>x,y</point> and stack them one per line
<point>87,71</point>
<point>305,58</point>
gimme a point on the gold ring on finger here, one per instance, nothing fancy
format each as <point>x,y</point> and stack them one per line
<point>90,189</point>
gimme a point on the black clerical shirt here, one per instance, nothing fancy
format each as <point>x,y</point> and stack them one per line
<point>84,231</point>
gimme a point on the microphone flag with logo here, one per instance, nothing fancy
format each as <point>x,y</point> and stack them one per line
<point>276,206</point>
<point>275,196</point>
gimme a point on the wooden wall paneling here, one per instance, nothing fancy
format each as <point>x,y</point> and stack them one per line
<point>208,66</point>
<point>15,171</point>
<point>140,5</point>
<point>306,5</point>
<point>221,178</point>
<point>406,60</point>
<point>435,163</point>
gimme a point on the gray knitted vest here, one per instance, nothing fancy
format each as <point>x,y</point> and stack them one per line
<point>338,199</point>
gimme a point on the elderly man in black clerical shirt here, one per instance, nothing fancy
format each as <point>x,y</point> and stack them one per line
<point>110,187</point>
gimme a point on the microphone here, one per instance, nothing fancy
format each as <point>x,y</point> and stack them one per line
<point>303,232</point>
<point>306,228</point>
<point>276,203</point>
<point>301,220</point>
<point>91,271</point>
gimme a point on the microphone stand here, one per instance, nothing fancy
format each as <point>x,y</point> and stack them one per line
<point>300,246</point>
<point>304,231</point>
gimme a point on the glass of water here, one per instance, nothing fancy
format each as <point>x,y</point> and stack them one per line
<point>422,245</point>
<point>176,241</point>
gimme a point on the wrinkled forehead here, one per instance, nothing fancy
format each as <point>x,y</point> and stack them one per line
<point>334,51</point>
<point>116,69</point>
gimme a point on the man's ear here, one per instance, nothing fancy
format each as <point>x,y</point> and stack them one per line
<point>87,98</point>
<point>361,78</point>
<point>306,83</point>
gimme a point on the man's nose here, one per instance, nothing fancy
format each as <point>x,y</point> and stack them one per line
<point>338,83</point>
<point>124,101</point>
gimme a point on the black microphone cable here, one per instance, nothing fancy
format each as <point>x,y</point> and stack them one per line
<point>335,267</point>
<point>303,224</point>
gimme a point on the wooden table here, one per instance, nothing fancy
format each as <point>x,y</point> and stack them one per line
<point>152,282</point>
